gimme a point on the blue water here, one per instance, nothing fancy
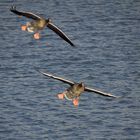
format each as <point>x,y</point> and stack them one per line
<point>107,36</point>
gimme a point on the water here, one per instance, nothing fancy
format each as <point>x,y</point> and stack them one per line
<point>107,36</point>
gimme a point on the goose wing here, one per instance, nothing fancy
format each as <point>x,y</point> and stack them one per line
<point>25,14</point>
<point>57,78</point>
<point>59,32</point>
<point>100,92</point>
<point>72,83</point>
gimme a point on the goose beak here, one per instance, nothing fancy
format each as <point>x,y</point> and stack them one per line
<point>81,84</point>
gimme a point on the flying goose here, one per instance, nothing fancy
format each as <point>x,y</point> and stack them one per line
<point>75,90</point>
<point>38,24</point>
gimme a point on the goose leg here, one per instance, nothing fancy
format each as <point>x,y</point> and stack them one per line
<point>37,35</point>
<point>60,96</point>
<point>76,102</point>
<point>23,27</point>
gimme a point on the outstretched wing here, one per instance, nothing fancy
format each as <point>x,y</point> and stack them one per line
<point>100,92</point>
<point>72,83</point>
<point>59,32</point>
<point>57,78</point>
<point>25,14</point>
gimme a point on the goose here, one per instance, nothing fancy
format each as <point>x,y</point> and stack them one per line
<point>38,23</point>
<point>75,90</point>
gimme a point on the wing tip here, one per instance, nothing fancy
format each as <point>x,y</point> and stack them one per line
<point>73,45</point>
<point>38,70</point>
<point>44,73</point>
<point>12,8</point>
<point>114,96</point>
<point>117,96</point>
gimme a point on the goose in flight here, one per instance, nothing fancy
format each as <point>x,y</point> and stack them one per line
<point>38,24</point>
<point>75,90</point>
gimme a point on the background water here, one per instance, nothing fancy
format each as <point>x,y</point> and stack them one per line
<point>107,36</point>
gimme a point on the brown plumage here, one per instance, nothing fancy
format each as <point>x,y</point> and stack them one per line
<point>76,89</point>
<point>39,23</point>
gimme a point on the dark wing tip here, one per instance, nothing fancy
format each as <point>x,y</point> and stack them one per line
<point>72,44</point>
<point>13,8</point>
<point>59,32</point>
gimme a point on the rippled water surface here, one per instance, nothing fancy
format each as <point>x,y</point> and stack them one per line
<point>107,56</point>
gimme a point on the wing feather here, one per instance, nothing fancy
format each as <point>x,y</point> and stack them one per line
<point>59,32</point>
<point>100,92</point>
<point>57,78</point>
<point>25,14</point>
<point>72,83</point>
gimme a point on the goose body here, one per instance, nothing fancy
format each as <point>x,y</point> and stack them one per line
<point>75,90</point>
<point>36,26</point>
<point>39,23</point>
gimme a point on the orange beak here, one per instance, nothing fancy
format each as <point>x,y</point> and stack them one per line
<point>23,27</point>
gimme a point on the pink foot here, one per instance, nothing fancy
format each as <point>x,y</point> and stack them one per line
<point>60,96</point>
<point>76,102</point>
<point>23,27</point>
<point>36,36</point>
